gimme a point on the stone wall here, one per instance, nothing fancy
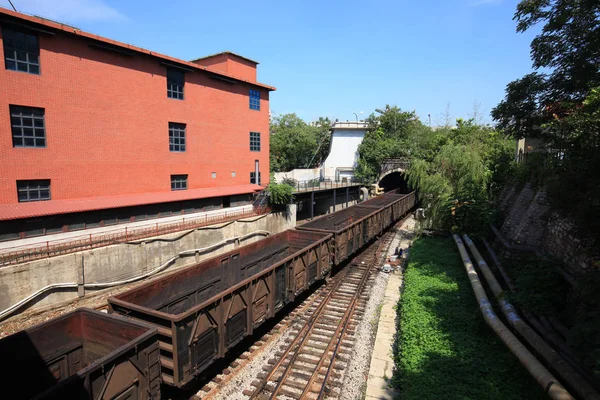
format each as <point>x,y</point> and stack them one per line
<point>531,223</point>
<point>128,260</point>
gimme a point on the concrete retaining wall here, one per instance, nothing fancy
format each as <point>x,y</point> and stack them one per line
<point>127,260</point>
<point>531,222</point>
<point>300,175</point>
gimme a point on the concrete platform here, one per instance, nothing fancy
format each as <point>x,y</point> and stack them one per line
<point>382,361</point>
<point>55,238</point>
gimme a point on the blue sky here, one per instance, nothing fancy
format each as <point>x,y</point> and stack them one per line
<point>331,58</point>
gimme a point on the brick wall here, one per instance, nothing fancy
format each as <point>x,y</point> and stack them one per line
<point>232,64</point>
<point>107,118</point>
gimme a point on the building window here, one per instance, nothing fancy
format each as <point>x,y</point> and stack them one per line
<point>21,51</point>
<point>28,128</point>
<point>254,100</point>
<point>253,178</point>
<point>214,175</point>
<point>179,182</point>
<point>175,82</point>
<point>38,190</point>
<point>176,136</point>
<point>254,141</point>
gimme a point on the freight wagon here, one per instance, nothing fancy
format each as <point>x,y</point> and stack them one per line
<point>82,355</point>
<point>393,206</point>
<point>203,310</point>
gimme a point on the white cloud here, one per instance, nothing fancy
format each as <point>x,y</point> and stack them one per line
<point>68,10</point>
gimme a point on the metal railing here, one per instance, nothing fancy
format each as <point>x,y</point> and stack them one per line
<point>50,248</point>
<point>316,184</point>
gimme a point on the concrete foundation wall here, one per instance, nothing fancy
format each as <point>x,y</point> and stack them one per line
<point>300,175</point>
<point>127,260</point>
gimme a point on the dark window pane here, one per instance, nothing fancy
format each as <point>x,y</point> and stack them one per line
<point>9,236</point>
<point>23,120</point>
<point>34,232</point>
<point>21,51</point>
<point>175,83</point>
<point>76,226</point>
<point>54,229</point>
<point>33,190</point>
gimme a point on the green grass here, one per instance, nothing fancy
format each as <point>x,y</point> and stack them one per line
<point>444,349</point>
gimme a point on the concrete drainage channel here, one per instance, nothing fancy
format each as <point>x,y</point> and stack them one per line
<point>249,375</point>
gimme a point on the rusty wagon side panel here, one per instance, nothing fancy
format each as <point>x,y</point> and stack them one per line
<point>352,227</point>
<point>82,355</point>
<point>391,205</point>
<point>204,310</point>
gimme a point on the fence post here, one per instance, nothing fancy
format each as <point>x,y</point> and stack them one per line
<point>157,228</point>
<point>126,236</point>
<point>91,246</point>
<point>48,248</point>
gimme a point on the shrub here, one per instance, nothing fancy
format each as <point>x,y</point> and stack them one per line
<point>280,194</point>
<point>289,181</point>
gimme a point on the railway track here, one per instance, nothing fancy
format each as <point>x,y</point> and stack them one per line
<point>310,366</point>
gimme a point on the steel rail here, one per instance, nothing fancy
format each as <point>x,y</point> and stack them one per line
<point>377,258</point>
<point>302,336</point>
<point>305,333</point>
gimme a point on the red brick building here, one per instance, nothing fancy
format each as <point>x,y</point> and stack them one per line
<point>95,132</point>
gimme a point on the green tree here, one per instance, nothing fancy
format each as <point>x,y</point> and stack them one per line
<point>293,143</point>
<point>456,185</point>
<point>296,144</point>
<point>559,103</point>
<point>388,136</point>
<point>566,57</point>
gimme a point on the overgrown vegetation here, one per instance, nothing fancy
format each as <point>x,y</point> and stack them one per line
<point>559,104</point>
<point>444,348</point>
<point>457,185</point>
<point>539,286</point>
<point>297,144</point>
<point>583,336</point>
<point>280,194</point>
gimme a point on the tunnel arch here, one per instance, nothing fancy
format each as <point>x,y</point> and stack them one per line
<point>394,180</point>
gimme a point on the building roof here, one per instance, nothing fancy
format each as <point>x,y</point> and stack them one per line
<point>20,18</point>
<point>226,52</point>
<point>362,125</point>
<point>53,207</point>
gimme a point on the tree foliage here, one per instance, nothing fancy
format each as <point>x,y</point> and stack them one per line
<point>560,103</point>
<point>566,56</point>
<point>280,194</point>
<point>296,144</point>
<point>456,185</point>
<point>388,135</point>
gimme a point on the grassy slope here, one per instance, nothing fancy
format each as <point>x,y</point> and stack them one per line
<point>447,350</point>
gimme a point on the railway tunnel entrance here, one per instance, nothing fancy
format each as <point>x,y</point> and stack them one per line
<point>394,180</point>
